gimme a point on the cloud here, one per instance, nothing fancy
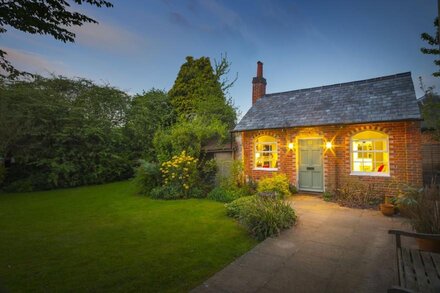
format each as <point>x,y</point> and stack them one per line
<point>108,37</point>
<point>179,19</point>
<point>34,63</point>
<point>226,16</point>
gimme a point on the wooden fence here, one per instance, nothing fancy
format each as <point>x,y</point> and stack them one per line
<point>431,163</point>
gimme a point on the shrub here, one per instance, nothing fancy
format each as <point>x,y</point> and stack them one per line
<point>180,171</point>
<point>251,186</point>
<point>180,179</point>
<point>197,192</point>
<point>166,192</point>
<point>208,172</point>
<point>237,173</point>
<point>237,208</point>
<point>355,193</point>
<point>226,194</point>
<point>327,196</point>
<point>422,205</point>
<point>2,173</point>
<point>147,177</point>
<point>292,189</point>
<point>21,185</point>
<point>278,184</point>
<point>262,216</point>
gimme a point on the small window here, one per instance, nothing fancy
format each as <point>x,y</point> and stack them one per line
<point>369,153</point>
<point>266,153</point>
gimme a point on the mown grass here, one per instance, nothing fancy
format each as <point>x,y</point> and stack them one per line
<point>107,238</point>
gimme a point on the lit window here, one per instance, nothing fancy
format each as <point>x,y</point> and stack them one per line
<point>266,152</point>
<point>369,153</point>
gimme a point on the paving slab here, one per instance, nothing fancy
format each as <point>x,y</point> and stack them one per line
<point>330,249</point>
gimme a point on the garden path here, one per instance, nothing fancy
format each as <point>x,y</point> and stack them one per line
<point>331,249</point>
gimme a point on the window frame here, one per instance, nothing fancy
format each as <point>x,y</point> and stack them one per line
<point>275,143</point>
<point>386,150</point>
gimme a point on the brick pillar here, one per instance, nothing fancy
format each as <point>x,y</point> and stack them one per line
<point>258,84</point>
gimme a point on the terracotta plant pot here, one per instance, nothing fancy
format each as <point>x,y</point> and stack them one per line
<point>387,209</point>
<point>429,245</point>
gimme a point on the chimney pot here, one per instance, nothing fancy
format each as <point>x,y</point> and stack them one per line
<point>259,69</point>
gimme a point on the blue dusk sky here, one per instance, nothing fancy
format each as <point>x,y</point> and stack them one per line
<point>139,45</point>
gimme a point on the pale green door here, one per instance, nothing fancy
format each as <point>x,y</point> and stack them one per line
<point>310,165</point>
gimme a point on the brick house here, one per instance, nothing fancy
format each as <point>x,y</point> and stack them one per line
<point>319,137</point>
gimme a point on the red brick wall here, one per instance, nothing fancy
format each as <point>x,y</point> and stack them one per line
<point>404,153</point>
<point>258,89</point>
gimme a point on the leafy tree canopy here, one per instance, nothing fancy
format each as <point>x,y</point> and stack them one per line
<point>434,43</point>
<point>44,17</point>
<point>150,111</point>
<point>187,136</point>
<point>198,91</point>
<point>431,113</point>
<point>62,132</point>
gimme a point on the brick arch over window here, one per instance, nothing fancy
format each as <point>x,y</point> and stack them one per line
<point>366,128</point>
<point>369,152</point>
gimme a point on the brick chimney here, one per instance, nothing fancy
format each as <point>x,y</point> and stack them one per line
<point>258,84</point>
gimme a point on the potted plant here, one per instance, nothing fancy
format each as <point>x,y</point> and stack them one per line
<point>423,208</point>
<point>387,208</point>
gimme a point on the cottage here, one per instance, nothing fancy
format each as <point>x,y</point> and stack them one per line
<point>319,137</point>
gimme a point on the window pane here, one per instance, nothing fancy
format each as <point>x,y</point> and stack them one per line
<point>369,152</point>
<point>379,145</point>
<point>379,156</point>
<point>357,166</point>
<point>368,165</point>
<point>266,155</point>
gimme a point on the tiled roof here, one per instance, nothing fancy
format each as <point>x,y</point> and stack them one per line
<point>387,98</point>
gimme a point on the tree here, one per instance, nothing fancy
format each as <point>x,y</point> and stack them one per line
<point>433,41</point>
<point>150,112</point>
<point>430,108</point>
<point>197,91</point>
<point>42,17</point>
<point>187,136</point>
<point>221,71</point>
<point>431,113</point>
<point>63,132</point>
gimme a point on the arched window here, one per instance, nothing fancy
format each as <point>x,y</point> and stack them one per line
<point>370,154</point>
<point>266,153</point>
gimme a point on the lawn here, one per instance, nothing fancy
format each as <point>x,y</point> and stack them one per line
<point>107,238</point>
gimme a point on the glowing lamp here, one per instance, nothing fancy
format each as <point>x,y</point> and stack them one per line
<point>257,155</point>
<point>290,145</point>
<point>328,145</point>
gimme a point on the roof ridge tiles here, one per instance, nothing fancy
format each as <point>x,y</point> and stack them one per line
<point>385,77</point>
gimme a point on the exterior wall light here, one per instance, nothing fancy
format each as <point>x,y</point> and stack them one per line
<point>291,146</point>
<point>328,145</point>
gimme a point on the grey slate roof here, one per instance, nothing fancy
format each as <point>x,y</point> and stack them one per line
<point>387,98</point>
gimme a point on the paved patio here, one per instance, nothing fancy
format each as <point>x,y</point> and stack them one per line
<point>331,249</point>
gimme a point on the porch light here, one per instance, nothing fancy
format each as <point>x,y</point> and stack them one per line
<point>328,145</point>
<point>291,146</point>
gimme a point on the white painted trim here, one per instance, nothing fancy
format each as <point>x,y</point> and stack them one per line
<point>387,150</point>
<point>312,190</point>
<point>275,143</point>
<point>266,169</point>
<point>371,174</point>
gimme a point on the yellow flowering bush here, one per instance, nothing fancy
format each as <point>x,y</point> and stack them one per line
<point>180,173</point>
<point>278,184</point>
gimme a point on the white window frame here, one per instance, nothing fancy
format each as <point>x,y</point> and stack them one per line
<point>274,143</point>
<point>378,174</point>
